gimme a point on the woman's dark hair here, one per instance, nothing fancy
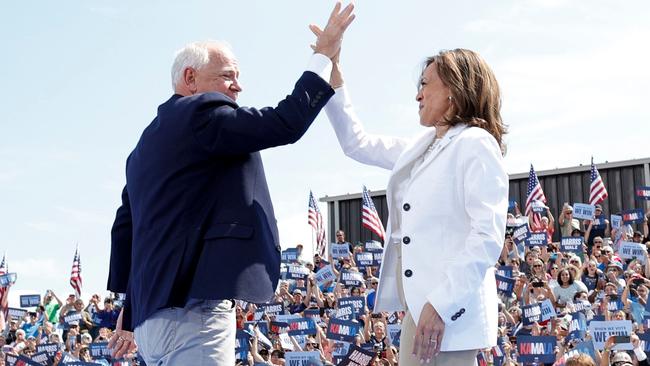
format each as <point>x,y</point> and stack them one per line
<point>476,98</point>
<point>559,277</point>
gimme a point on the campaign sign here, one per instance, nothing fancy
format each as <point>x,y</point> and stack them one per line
<point>615,305</point>
<point>377,258</point>
<point>548,311</point>
<point>340,250</point>
<point>271,309</point>
<point>634,216</point>
<point>11,360</point>
<point>342,330</point>
<point>351,278</point>
<point>637,310</point>
<point>241,344</point>
<point>538,349</point>
<point>364,260</point>
<point>303,358</point>
<point>643,193</point>
<point>532,313</point>
<point>505,285</point>
<point>536,239</point>
<point>41,358</point>
<point>571,245</point>
<point>505,271</point>
<point>586,347</point>
<point>601,330</point>
<point>599,222</point>
<point>538,206</point>
<point>631,250</point>
<point>358,302</point>
<point>15,313</point>
<point>313,314</point>
<point>100,350</point>
<point>279,327</point>
<point>290,255</point>
<point>516,221</point>
<point>262,327</point>
<point>50,348</point>
<point>297,272</point>
<point>325,275</point>
<point>581,306</point>
<point>511,204</point>
<point>81,363</point>
<point>358,357</point>
<point>8,279</point>
<point>345,312</point>
<point>394,332</point>
<point>520,234</point>
<point>577,327</point>
<point>340,348</point>
<point>644,341</point>
<point>72,318</point>
<point>583,211</point>
<point>616,220</point>
<point>373,246</point>
<point>27,301</point>
<point>392,318</point>
<point>302,326</point>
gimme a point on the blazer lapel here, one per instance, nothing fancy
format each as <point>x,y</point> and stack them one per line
<point>449,136</point>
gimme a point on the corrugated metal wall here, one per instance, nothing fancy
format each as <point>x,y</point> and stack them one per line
<point>560,185</point>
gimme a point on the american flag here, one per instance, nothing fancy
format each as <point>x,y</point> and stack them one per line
<point>369,217</point>
<point>4,291</point>
<point>315,219</point>
<point>597,192</point>
<point>535,193</point>
<point>75,276</point>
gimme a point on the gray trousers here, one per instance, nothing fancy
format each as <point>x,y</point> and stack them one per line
<point>201,333</point>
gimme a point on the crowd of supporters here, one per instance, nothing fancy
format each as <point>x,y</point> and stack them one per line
<point>596,283</point>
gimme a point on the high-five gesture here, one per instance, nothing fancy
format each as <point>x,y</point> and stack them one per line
<point>329,39</point>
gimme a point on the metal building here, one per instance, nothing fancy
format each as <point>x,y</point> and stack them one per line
<point>560,185</point>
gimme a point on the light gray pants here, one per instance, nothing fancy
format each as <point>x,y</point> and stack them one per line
<point>201,333</point>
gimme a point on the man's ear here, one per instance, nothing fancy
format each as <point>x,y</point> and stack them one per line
<point>189,79</point>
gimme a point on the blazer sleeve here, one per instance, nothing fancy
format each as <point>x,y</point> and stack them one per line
<point>223,129</point>
<point>381,151</point>
<point>121,240</point>
<point>485,189</point>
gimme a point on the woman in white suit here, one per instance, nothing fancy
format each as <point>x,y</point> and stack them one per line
<point>447,201</point>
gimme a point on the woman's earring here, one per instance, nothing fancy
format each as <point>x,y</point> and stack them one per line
<point>449,97</point>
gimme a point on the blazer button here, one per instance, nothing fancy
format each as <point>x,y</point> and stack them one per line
<point>454,318</point>
<point>408,273</point>
<point>406,240</point>
<point>462,310</point>
<point>406,207</point>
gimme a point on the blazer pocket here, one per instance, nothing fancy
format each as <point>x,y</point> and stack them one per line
<point>232,230</point>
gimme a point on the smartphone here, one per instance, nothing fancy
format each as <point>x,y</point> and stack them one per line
<point>613,297</point>
<point>538,284</point>
<point>603,252</point>
<point>621,339</point>
<point>638,281</point>
<point>375,316</point>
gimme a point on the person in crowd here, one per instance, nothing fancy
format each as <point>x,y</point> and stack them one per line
<point>52,305</point>
<point>455,166</point>
<point>567,287</point>
<point>566,221</point>
<point>198,166</point>
<point>340,239</point>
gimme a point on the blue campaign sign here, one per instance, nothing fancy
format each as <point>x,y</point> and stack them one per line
<point>643,193</point>
<point>511,204</point>
<point>616,221</point>
<point>241,344</point>
<point>520,234</point>
<point>357,302</point>
<point>358,357</point>
<point>505,271</point>
<point>351,278</point>
<point>536,239</point>
<point>50,348</point>
<point>577,327</point>
<point>615,305</point>
<point>27,301</point>
<point>571,244</point>
<point>100,350</point>
<point>373,246</point>
<point>634,216</point>
<point>644,341</point>
<point>15,313</point>
<point>290,255</point>
<point>302,326</point>
<point>279,327</point>
<point>531,313</point>
<point>342,330</point>
<point>599,222</point>
<point>297,272</point>
<point>583,211</point>
<point>364,260</point>
<point>538,349</point>
<point>8,279</point>
<point>505,285</point>
<point>538,206</point>
<point>263,326</point>
<point>345,312</point>
<point>41,358</point>
<point>271,309</point>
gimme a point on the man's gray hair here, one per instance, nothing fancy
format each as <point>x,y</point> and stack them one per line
<point>194,55</point>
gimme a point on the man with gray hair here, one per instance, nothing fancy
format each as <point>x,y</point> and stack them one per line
<point>196,227</point>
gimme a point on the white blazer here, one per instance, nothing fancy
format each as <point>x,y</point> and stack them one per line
<point>451,220</point>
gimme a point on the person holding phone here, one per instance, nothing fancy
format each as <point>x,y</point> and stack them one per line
<point>567,287</point>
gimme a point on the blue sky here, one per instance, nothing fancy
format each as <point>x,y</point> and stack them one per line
<point>81,79</point>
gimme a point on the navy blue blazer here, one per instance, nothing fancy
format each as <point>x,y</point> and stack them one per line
<point>196,219</point>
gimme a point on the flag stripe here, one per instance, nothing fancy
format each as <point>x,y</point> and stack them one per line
<point>369,216</point>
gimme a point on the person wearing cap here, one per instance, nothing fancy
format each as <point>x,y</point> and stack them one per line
<point>566,221</point>
<point>300,302</point>
<point>607,255</point>
<point>637,237</point>
<point>614,273</point>
<point>622,358</point>
<point>591,231</point>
